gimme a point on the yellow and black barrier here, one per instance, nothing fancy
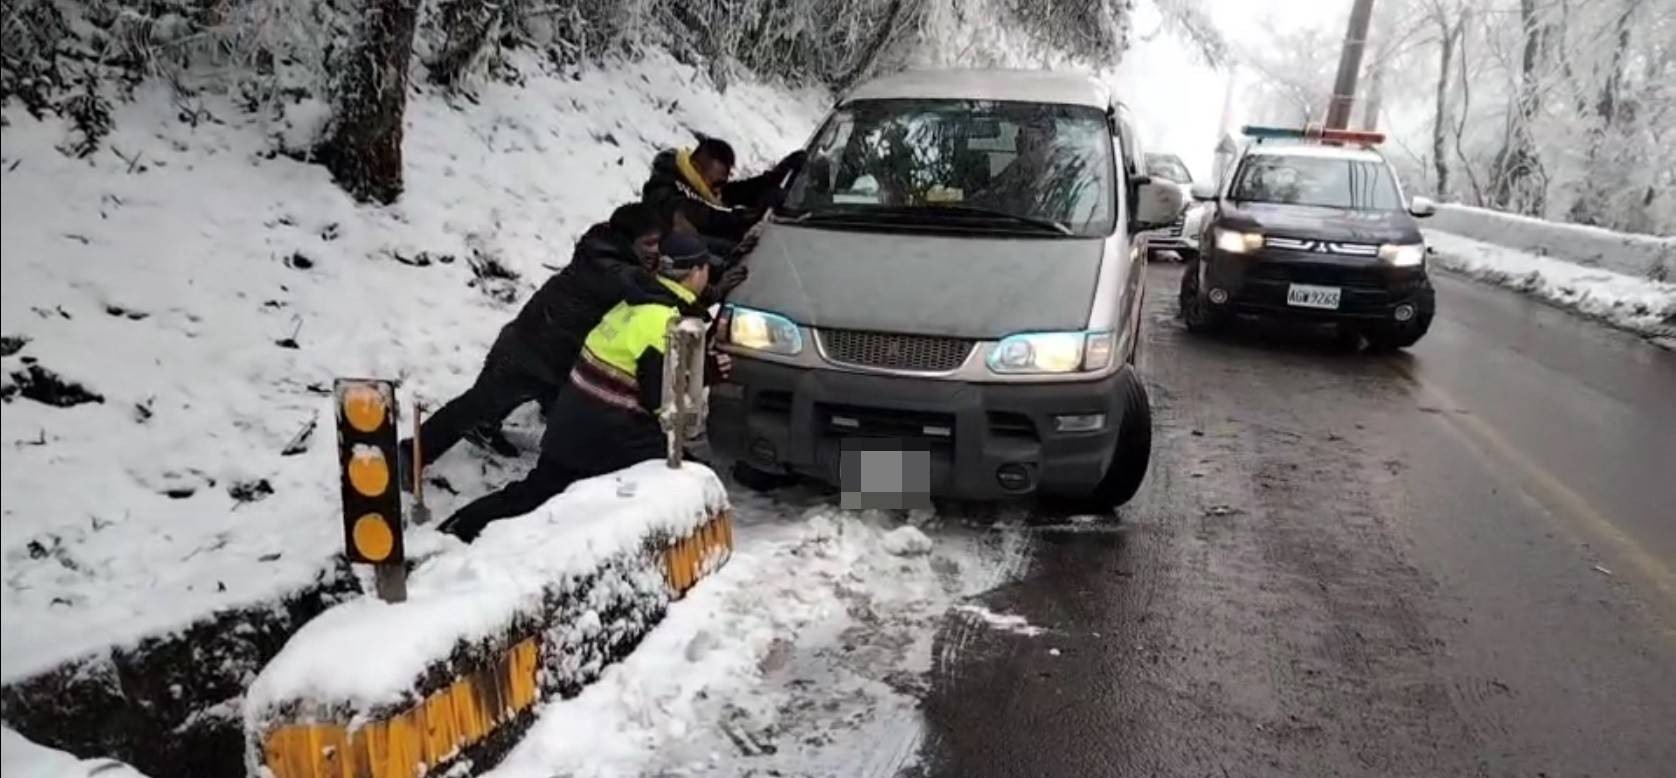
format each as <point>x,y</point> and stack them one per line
<point>475,708</point>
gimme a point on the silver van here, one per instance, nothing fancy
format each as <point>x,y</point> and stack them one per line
<point>957,273</point>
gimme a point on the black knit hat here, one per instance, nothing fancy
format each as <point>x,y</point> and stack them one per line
<point>681,252</point>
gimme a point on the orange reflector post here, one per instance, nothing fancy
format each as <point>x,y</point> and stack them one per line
<point>373,538</point>
<point>364,406</point>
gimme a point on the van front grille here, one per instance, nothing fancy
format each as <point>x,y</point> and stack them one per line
<point>892,351</point>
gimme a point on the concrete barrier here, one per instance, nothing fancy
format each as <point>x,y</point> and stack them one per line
<point>535,609</point>
<point>1641,256</point>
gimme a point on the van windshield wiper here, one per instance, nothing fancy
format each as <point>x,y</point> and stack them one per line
<point>922,213</point>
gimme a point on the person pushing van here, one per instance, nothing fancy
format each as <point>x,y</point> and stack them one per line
<point>532,357</point>
<point>605,417</point>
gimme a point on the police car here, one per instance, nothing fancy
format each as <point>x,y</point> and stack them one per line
<point>1311,224</point>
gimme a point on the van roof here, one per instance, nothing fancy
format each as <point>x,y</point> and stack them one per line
<point>1029,86</point>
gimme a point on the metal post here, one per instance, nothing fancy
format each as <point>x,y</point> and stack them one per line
<point>1349,65</point>
<point>391,581</point>
<point>421,511</point>
<point>683,409</point>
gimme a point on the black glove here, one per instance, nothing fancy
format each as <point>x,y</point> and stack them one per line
<point>791,164</point>
<point>731,279</point>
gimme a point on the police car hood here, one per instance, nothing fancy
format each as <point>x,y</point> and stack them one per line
<point>1321,223</point>
<point>979,286</point>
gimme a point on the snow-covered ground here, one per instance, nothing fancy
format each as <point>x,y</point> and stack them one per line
<point>805,655</point>
<point>21,758</point>
<point>207,293</point>
<point>1638,304</point>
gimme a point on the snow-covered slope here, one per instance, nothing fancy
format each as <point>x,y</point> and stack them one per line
<point>203,293</point>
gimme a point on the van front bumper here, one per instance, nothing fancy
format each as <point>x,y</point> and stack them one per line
<point>781,418</point>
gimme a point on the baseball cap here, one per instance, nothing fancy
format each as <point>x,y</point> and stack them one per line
<point>680,251</point>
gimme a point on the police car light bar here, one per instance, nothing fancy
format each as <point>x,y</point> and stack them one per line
<point>1366,138</point>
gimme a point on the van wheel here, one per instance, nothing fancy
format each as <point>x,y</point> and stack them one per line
<point>1131,456</point>
<point>1196,311</point>
<point>759,480</point>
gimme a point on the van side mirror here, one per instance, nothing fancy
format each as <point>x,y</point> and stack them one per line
<point>1204,190</point>
<point>1157,204</point>
<point>1421,207</point>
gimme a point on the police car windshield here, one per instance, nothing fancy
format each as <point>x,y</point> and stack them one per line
<point>967,164</point>
<point>1331,182</point>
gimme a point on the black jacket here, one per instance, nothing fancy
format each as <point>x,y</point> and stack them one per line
<point>547,334</point>
<point>743,202</point>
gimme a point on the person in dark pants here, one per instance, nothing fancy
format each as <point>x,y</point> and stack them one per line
<point>605,418</point>
<point>532,356</point>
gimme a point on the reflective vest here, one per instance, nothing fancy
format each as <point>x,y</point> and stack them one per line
<point>610,359</point>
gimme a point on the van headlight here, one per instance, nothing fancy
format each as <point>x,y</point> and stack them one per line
<point>763,331</point>
<point>1403,254</point>
<point>1052,352</point>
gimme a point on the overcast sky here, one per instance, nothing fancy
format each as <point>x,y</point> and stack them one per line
<point>1177,98</point>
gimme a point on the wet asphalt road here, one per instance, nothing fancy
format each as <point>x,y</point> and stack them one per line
<point>1460,560</point>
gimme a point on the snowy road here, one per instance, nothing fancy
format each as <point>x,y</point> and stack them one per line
<point>1454,562</point>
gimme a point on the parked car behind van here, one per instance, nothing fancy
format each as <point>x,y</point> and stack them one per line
<point>955,273</point>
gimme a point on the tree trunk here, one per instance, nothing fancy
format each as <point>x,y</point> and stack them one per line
<point>363,141</point>
<point>1518,170</point>
<point>1375,96</point>
<point>466,27</point>
<point>1440,119</point>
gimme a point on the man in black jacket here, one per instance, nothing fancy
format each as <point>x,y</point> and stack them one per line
<point>606,416</point>
<point>693,191</point>
<point>532,356</point>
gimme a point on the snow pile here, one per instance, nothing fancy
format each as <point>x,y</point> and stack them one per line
<point>176,306</point>
<point>805,655</point>
<point>1640,256</point>
<point>1636,304</point>
<point>907,541</point>
<point>20,758</point>
<point>481,591</point>
<point>1005,622</point>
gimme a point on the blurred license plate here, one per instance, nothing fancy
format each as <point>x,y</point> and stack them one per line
<point>1309,296</point>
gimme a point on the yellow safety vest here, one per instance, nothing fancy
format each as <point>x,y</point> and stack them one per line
<point>611,353</point>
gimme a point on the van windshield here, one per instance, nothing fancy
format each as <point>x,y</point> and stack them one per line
<point>1007,166</point>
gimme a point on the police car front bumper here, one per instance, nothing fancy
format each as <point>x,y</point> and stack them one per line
<point>1262,283</point>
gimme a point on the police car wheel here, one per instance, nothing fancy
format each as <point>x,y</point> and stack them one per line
<point>1394,337</point>
<point>1196,311</point>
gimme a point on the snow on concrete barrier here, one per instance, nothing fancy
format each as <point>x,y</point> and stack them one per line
<point>536,607</point>
<point>1641,256</point>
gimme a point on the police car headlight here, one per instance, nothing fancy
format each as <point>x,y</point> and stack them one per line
<point>763,331</point>
<point>1403,254</point>
<point>1052,352</point>
<point>1236,242</point>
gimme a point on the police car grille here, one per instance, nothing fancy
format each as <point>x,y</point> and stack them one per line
<point>890,351</point>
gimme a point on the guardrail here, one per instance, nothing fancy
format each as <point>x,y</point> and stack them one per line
<point>1641,256</point>
<point>452,675</point>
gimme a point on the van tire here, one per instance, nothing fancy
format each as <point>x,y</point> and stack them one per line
<point>1130,456</point>
<point>759,480</point>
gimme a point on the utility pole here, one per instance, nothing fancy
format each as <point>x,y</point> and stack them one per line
<point>1349,65</point>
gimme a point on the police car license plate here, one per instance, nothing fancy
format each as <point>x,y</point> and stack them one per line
<point>1310,296</point>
